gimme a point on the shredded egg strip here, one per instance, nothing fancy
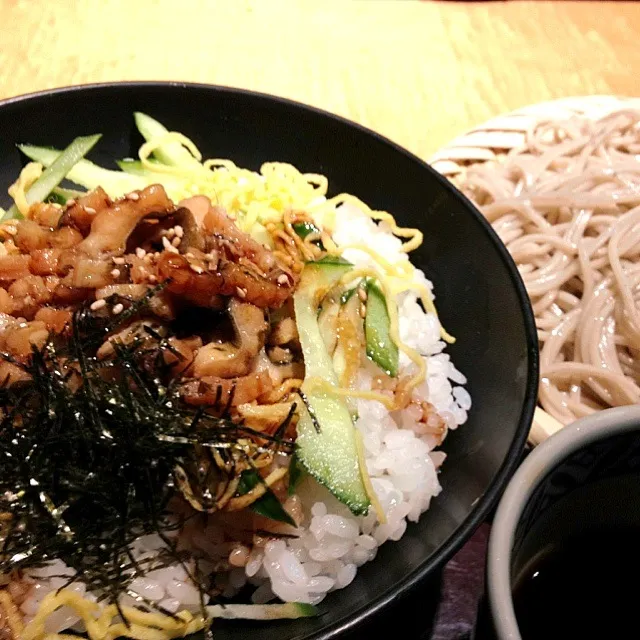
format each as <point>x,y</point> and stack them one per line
<point>321,384</point>
<point>18,190</point>
<point>105,625</point>
<point>11,614</point>
<point>251,197</point>
<point>366,479</point>
<point>414,236</point>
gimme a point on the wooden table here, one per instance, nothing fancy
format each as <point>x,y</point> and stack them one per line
<point>418,72</point>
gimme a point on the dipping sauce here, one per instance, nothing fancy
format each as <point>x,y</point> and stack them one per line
<point>586,587</point>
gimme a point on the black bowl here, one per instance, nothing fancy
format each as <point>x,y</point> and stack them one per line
<point>480,296</point>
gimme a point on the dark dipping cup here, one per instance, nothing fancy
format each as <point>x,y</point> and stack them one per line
<point>564,551</point>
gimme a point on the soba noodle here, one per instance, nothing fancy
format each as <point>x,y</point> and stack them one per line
<point>567,205</point>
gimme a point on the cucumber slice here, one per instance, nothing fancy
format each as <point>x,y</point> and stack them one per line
<point>380,347</point>
<point>289,610</point>
<point>62,195</point>
<point>87,174</point>
<point>172,153</point>
<point>346,295</point>
<point>303,229</point>
<point>268,505</point>
<point>326,443</point>
<point>136,168</point>
<point>329,261</point>
<point>57,170</point>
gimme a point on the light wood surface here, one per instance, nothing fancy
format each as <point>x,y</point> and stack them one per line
<point>418,72</point>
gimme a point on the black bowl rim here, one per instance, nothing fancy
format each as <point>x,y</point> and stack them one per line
<point>488,500</point>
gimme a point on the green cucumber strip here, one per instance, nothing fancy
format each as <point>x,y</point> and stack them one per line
<point>303,229</point>
<point>289,610</point>
<point>326,444</point>
<point>87,174</point>
<point>56,198</point>
<point>330,261</point>
<point>57,171</point>
<point>62,196</point>
<point>380,347</point>
<point>68,194</point>
<point>136,168</point>
<point>346,295</point>
<point>268,505</point>
<point>172,153</point>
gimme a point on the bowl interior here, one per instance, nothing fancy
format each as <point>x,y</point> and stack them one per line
<point>478,293</point>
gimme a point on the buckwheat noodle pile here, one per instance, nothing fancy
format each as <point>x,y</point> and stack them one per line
<point>567,205</point>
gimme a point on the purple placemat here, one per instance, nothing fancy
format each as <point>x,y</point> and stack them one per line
<point>462,589</point>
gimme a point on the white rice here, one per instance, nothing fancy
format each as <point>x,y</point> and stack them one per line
<point>333,543</point>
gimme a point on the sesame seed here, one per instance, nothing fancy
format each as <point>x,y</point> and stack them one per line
<point>168,246</point>
<point>70,202</point>
<point>11,230</point>
<point>196,268</point>
<point>242,293</point>
<point>98,304</point>
<point>363,310</point>
<point>152,278</point>
<point>141,253</point>
<point>118,260</point>
<point>282,279</point>
<point>189,255</point>
<point>119,308</point>
<point>179,231</point>
<point>133,196</point>
<point>170,233</point>
<point>115,273</point>
<point>176,241</point>
<point>89,210</point>
<point>362,294</point>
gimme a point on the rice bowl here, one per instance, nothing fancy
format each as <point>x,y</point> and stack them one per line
<point>437,364</point>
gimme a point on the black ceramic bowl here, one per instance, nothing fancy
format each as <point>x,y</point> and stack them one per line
<point>480,296</point>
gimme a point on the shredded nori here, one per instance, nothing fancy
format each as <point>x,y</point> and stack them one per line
<point>88,449</point>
